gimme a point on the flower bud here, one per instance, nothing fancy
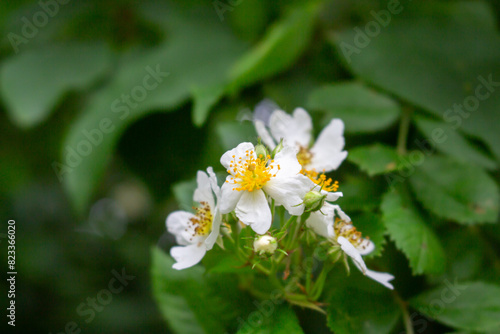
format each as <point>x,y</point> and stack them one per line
<point>314,201</point>
<point>277,149</point>
<point>265,244</point>
<point>261,151</point>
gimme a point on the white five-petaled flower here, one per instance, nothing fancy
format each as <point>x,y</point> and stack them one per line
<point>196,233</point>
<point>341,230</point>
<point>251,178</point>
<point>325,154</point>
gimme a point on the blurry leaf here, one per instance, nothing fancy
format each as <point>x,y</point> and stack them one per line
<point>372,226</point>
<point>189,301</point>
<point>465,265</point>
<point>280,320</point>
<point>360,192</point>
<point>468,305</point>
<point>411,234</point>
<point>195,55</point>
<point>437,64</point>
<point>32,83</point>
<point>249,18</point>
<point>460,192</point>
<point>291,90</point>
<point>171,290</point>
<point>374,159</point>
<point>361,108</point>
<point>204,100</point>
<point>449,141</point>
<point>358,311</point>
<point>233,133</point>
<point>283,43</point>
<point>183,192</point>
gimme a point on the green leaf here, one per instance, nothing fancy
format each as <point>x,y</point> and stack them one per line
<point>183,192</point>
<point>33,83</point>
<point>374,159</point>
<point>359,311</point>
<point>443,137</point>
<point>372,226</point>
<point>273,320</point>
<point>460,192</point>
<point>435,63</point>
<point>204,100</point>
<point>283,43</point>
<point>463,305</point>
<point>192,303</point>
<point>233,133</point>
<point>361,108</point>
<point>411,234</point>
<point>360,192</point>
<point>196,54</point>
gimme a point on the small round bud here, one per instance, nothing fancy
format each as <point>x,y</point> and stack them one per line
<point>261,151</point>
<point>314,201</point>
<point>265,244</point>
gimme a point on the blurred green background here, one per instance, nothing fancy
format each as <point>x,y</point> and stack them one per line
<point>106,105</point>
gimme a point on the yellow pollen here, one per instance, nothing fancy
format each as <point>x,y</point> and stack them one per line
<point>321,180</point>
<point>348,231</point>
<point>202,221</point>
<point>251,173</point>
<point>304,156</point>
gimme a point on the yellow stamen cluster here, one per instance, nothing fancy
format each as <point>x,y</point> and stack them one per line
<point>251,173</point>
<point>348,231</point>
<point>202,221</point>
<point>304,156</point>
<point>321,180</point>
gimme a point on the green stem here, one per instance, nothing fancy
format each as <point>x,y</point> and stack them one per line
<point>406,315</point>
<point>404,128</point>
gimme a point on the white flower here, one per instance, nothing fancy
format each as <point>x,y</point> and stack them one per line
<point>252,178</point>
<point>325,154</point>
<point>196,233</point>
<point>341,230</point>
<point>265,244</point>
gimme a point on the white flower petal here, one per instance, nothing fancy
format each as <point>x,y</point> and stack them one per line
<point>332,197</point>
<point>213,182</point>
<point>229,197</point>
<point>340,213</point>
<point>262,132</point>
<point>289,192</point>
<point>321,222</point>
<point>187,256</point>
<point>263,110</point>
<point>253,210</point>
<point>382,278</point>
<point>238,152</point>
<point>295,130</point>
<point>350,250</point>
<point>203,192</point>
<point>367,246</point>
<point>327,150</point>
<point>214,234</point>
<point>177,224</point>
<point>287,161</point>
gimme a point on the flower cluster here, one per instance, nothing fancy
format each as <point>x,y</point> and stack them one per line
<point>285,176</point>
